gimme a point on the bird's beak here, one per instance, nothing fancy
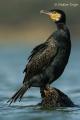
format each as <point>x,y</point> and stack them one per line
<point>55,16</point>
<point>45,12</point>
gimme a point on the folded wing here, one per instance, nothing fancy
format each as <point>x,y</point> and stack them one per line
<point>41,56</point>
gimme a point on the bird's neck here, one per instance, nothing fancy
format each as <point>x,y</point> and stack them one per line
<point>60,26</point>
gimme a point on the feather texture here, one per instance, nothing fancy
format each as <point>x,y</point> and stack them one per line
<point>40,58</point>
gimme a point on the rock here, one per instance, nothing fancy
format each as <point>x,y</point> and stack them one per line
<point>55,98</point>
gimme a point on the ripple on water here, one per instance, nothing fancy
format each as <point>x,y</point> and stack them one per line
<point>24,111</point>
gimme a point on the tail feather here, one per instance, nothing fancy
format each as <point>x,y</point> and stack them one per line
<point>19,94</point>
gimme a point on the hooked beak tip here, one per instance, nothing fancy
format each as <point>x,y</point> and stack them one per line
<point>41,11</point>
<point>45,12</point>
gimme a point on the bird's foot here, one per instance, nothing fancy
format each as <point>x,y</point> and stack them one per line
<point>48,91</point>
<point>45,91</point>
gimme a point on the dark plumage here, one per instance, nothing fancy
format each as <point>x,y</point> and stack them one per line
<point>48,60</point>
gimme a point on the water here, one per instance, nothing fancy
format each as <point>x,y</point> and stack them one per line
<point>12,62</point>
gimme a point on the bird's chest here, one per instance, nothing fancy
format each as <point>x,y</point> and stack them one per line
<point>61,36</point>
<point>63,42</point>
<point>64,45</point>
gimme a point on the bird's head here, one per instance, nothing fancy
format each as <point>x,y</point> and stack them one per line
<point>58,16</point>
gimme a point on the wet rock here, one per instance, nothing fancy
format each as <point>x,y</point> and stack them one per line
<point>56,98</point>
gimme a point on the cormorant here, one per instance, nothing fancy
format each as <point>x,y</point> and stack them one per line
<point>49,59</point>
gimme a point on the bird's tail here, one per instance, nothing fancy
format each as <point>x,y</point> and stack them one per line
<point>19,94</point>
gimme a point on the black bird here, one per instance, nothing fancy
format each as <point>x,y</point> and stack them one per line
<point>47,60</point>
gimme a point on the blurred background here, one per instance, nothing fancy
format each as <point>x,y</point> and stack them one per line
<point>20,20</point>
<point>22,27</point>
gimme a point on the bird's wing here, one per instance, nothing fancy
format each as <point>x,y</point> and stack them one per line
<point>40,58</point>
<point>37,49</point>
